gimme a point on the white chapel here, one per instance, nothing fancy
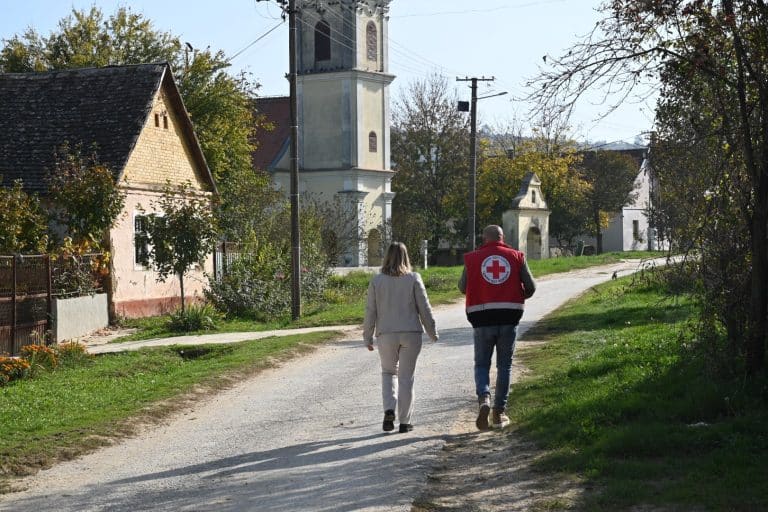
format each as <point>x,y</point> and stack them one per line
<point>344,118</point>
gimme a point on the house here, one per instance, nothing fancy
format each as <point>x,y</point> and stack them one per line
<point>344,119</point>
<point>135,118</point>
<point>629,229</point>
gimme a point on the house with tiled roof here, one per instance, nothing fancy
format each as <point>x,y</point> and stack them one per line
<point>134,118</point>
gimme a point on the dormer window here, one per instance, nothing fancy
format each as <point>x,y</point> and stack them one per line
<point>372,41</point>
<point>322,41</point>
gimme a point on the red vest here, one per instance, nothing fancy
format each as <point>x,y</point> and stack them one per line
<point>493,278</point>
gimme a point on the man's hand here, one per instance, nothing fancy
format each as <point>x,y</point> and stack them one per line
<point>370,347</point>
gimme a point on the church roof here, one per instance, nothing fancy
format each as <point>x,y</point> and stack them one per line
<point>271,144</point>
<point>102,107</point>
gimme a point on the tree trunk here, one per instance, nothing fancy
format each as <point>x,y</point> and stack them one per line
<point>181,285</point>
<point>598,234</point>
<point>759,288</point>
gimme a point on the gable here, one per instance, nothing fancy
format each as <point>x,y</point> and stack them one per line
<point>163,152</point>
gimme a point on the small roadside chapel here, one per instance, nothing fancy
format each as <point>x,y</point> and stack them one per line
<point>526,223</point>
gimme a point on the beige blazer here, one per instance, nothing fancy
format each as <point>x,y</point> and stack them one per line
<point>397,304</point>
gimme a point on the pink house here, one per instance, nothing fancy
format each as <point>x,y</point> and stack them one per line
<point>135,118</point>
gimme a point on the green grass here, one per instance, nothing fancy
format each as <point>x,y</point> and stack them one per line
<point>621,397</point>
<point>344,300</point>
<point>77,407</point>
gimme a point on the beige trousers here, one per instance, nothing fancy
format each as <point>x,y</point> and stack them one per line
<point>398,352</point>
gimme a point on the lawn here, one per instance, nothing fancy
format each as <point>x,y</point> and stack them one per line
<point>85,404</point>
<point>624,399</point>
<point>344,299</point>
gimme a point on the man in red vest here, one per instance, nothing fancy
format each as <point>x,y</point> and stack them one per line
<point>496,281</point>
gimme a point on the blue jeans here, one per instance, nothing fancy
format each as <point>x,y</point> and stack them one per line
<point>502,337</point>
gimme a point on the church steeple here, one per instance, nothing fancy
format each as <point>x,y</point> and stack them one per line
<point>340,35</point>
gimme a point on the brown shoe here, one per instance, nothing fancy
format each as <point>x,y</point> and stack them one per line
<point>499,419</point>
<point>484,408</point>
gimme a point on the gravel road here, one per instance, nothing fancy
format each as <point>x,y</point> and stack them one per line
<point>305,436</point>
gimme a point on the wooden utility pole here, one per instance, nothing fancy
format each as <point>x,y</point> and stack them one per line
<point>289,9</point>
<point>472,196</point>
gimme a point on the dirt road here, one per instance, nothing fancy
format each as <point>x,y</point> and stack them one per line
<point>305,436</point>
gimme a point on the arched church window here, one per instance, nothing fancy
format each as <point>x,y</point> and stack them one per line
<point>372,44</point>
<point>373,145</point>
<point>322,41</point>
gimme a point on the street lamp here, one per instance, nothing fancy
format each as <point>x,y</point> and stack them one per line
<point>472,199</point>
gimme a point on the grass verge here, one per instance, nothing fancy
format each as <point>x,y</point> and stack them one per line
<point>78,407</point>
<point>621,396</point>
<point>344,301</point>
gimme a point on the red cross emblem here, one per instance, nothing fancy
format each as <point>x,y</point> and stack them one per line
<point>495,269</point>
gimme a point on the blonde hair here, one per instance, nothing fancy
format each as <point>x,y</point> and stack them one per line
<point>396,262</point>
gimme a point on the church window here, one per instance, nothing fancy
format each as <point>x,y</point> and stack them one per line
<point>322,41</point>
<point>371,39</point>
<point>373,145</point>
<point>533,194</point>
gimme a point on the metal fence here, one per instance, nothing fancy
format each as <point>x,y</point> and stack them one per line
<point>223,257</point>
<point>28,285</point>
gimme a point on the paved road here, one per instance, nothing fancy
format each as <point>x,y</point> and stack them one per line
<point>305,436</point>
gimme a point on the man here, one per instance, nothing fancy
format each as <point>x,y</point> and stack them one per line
<point>496,281</point>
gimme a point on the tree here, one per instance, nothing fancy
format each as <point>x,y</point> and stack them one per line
<point>719,49</point>
<point>182,234</point>
<point>611,176</point>
<point>499,179</point>
<point>430,151</point>
<point>86,198</point>
<point>23,224</point>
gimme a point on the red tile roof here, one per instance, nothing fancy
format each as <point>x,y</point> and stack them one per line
<point>270,142</point>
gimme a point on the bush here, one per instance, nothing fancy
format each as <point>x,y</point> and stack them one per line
<point>13,368</point>
<point>40,358</point>
<point>72,353</point>
<point>258,284</point>
<point>195,317</point>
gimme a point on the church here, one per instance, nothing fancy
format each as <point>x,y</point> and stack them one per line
<point>344,119</point>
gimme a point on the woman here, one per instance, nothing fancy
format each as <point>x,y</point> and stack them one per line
<point>398,311</point>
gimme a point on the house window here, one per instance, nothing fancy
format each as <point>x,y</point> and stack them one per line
<point>533,196</point>
<point>373,145</point>
<point>322,41</point>
<point>371,39</point>
<point>636,229</point>
<point>141,240</point>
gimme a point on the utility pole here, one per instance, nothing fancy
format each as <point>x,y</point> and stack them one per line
<point>289,9</point>
<point>472,197</point>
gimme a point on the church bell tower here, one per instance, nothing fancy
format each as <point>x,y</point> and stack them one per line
<point>344,117</point>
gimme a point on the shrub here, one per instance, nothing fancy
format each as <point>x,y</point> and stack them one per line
<point>40,357</point>
<point>195,317</point>
<point>72,353</point>
<point>13,368</point>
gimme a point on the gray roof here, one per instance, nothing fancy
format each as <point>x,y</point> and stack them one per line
<point>102,107</point>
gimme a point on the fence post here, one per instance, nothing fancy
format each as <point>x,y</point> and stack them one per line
<point>223,258</point>
<point>49,338</point>
<point>13,306</point>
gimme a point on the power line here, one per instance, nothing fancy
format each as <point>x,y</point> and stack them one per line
<point>238,53</point>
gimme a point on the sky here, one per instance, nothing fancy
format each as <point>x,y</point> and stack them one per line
<point>504,39</point>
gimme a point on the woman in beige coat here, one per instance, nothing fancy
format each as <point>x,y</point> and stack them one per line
<point>398,312</point>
